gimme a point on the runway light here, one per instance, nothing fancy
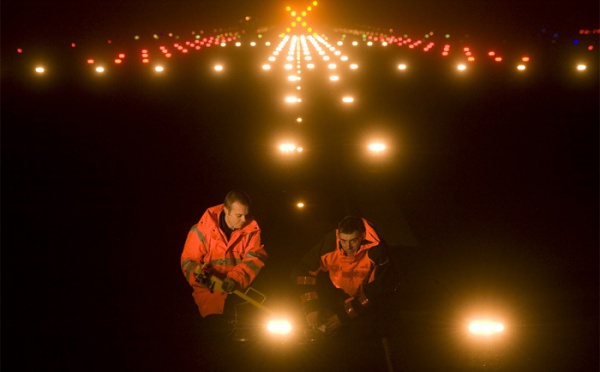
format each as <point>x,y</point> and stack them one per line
<point>485,327</point>
<point>40,70</point>
<point>279,327</point>
<point>287,148</point>
<point>521,67</point>
<point>402,67</point>
<point>300,205</point>
<point>348,99</point>
<point>461,67</point>
<point>292,99</point>
<point>377,147</point>
<point>581,67</point>
<point>100,69</point>
<point>218,67</point>
<point>159,68</point>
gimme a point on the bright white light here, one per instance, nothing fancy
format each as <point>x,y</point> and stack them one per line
<point>299,120</point>
<point>237,44</point>
<point>288,66</point>
<point>484,327</point>
<point>266,66</point>
<point>279,327</point>
<point>253,43</point>
<point>218,67</point>
<point>348,99</point>
<point>521,67</point>
<point>461,67</point>
<point>293,78</point>
<point>287,147</point>
<point>159,68</point>
<point>377,147</point>
<point>40,70</point>
<point>332,66</point>
<point>402,67</point>
<point>99,69</point>
<point>353,66</point>
<point>310,66</point>
<point>292,99</point>
<point>354,43</point>
<point>334,78</point>
<point>581,67</point>
<point>300,205</point>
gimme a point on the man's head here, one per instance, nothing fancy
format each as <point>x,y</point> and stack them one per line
<point>237,208</point>
<point>351,232</point>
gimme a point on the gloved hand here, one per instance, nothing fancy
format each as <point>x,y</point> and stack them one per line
<point>228,285</point>
<point>313,319</point>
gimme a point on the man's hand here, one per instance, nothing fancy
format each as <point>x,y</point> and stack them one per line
<point>312,319</point>
<point>228,285</point>
<point>332,324</point>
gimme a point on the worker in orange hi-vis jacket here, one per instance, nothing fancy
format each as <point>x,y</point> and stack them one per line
<point>344,277</point>
<point>226,242</point>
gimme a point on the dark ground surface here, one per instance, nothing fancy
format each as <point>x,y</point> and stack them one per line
<point>490,201</point>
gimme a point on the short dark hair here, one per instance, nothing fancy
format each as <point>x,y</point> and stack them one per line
<point>351,224</point>
<point>236,196</point>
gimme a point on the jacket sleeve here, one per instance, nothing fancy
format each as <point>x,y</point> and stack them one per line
<point>305,275</point>
<point>373,292</point>
<point>252,263</point>
<point>193,253</point>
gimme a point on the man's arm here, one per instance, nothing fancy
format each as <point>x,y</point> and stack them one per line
<point>194,251</point>
<point>252,263</point>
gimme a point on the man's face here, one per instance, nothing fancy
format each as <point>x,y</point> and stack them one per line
<point>235,217</point>
<point>351,242</point>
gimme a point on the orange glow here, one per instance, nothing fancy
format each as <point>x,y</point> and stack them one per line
<point>118,61</point>
<point>498,59</point>
<point>90,61</point>
<point>525,59</point>
<point>491,53</point>
<point>121,55</point>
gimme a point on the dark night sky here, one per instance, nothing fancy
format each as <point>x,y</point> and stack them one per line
<point>78,18</point>
<point>494,199</point>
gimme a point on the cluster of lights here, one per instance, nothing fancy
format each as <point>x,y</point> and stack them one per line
<point>298,23</point>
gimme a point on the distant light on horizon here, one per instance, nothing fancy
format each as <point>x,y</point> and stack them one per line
<point>40,70</point>
<point>581,67</point>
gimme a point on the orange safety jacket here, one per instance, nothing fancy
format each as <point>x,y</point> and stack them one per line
<point>240,258</point>
<point>362,277</point>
